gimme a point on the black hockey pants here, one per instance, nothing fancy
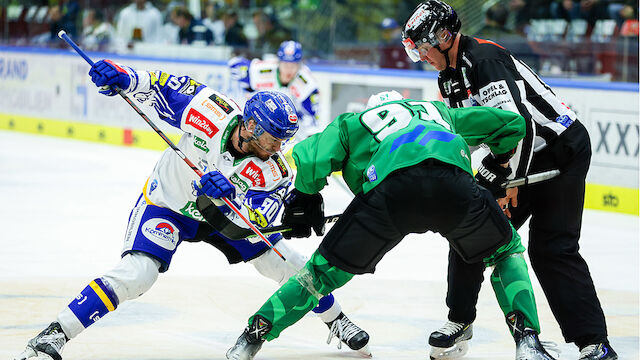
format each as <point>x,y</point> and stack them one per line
<point>555,207</point>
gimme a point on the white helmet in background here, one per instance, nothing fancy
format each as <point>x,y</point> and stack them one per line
<point>383,97</point>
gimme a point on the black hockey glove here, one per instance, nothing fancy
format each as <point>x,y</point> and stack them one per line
<point>301,213</point>
<point>491,175</point>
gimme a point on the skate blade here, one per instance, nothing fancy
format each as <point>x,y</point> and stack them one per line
<point>456,351</point>
<point>364,351</point>
<point>30,354</point>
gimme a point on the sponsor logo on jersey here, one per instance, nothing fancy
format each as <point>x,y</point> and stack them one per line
<point>207,104</point>
<point>235,180</point>
<point>294,91</point>
<point>161,232</point>
<point>302,78</point>
<point>200,122</point>
<point>265,71</point>
<point>222,103</point>
<point>190,89</point>
<point>191,211</point>
<point>254,173</point>
<point>495,94</point>
<point>274,171</point>
<point>203,165</point>
<point>281,165</point>
<point>264,85</point>
<point>153,186</point>
<point>200,144</point>
<point>371,173</point>
<point>447,87</point>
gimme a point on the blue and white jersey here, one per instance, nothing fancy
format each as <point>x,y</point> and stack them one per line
<point>259,75</point>
<point>207,118</point>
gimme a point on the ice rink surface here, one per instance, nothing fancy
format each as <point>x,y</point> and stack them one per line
<point>64,209</point>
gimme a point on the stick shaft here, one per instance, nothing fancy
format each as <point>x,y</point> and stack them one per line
<point>63,35</point>
<point>531,179</point>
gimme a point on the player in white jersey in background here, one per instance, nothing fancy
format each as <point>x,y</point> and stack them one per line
<point>239,152</point>
<point>286,74</point>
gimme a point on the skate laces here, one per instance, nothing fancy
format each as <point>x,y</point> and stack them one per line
<point>588,350</point>
<point>54,337</point>
<point>450,328</point>
<point>343,329</point>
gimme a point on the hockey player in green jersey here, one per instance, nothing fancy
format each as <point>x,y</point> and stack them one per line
<point>408,164</point>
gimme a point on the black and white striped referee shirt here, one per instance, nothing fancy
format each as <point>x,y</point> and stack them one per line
<point>487,74</point>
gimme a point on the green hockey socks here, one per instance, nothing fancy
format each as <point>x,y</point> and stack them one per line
<point>512,286</point>
<point>301,293</point>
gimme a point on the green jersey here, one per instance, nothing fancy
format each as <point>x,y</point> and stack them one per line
<point>369,145</point>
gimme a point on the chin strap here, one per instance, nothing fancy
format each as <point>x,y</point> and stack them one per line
<point>446,51</point>
<point>242,140</point>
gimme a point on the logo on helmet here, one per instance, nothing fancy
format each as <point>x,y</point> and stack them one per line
<point>271,105</point>
<point>417,18</point>
<point>293,118</point>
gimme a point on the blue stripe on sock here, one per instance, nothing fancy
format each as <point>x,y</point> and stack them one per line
<point>324,304</point>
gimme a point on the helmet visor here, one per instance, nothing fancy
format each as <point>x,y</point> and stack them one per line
<point>266,141</point>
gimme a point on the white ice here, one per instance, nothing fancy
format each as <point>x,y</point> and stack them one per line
<point>64,208</point>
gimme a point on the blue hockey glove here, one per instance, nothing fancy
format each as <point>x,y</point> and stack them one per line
<point>491,175</point>
<point>109,76</point>
<point>215,185</point>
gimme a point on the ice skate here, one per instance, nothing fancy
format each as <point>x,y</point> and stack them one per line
<point>602,351</point>
<point>528,346</point>
<point>46,345</point>
<point>349,333</point>
<point>250,342</point>
<point>451,341</point>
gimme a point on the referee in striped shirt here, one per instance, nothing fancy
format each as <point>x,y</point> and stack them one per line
<point>477,72</point>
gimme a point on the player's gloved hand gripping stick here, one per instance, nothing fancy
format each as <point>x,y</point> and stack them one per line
<point>234,232</point>
<point>254,230</point>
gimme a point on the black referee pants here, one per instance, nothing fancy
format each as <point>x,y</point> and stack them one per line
<point>555,207</point>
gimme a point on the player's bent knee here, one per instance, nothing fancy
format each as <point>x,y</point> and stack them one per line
<point>326,277</point>
<point>270,264</point>
<point>133,276</point>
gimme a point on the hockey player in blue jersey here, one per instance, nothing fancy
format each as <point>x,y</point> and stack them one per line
<point>287,74</point>
<point>239,152</point>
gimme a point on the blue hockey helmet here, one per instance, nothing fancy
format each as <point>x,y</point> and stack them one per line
<point>290,51</point>
<point>273,113</point>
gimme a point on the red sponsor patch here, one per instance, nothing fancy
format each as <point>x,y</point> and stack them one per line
<point>253,173</point>
<point>264,85</point>
<point>200,122</point>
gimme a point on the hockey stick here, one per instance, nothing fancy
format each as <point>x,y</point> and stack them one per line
<point>234,232</point>
<point>531,179</point>
<point>63,35</point>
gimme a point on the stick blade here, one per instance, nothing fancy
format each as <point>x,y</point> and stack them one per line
<point>219,221</point>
